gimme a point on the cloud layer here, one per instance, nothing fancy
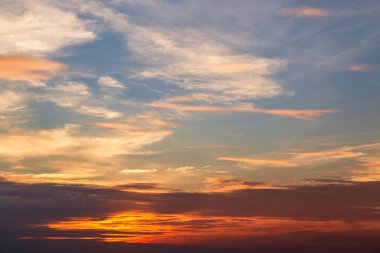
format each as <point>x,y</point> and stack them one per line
<point>133,216</point>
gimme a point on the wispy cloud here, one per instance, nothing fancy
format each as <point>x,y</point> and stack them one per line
<point>27,68</point>
<point>99,111</point>
<point>11,101</point>
<point>137,171</point>
<point>257,162</point>
<point>298,114</point>
<point>298,159</point>
<point>109,82</point>
<point>304,12</point>
<point>173,55</point>
<point>367,167</point>
<point>37,28</point>
<point>78,97</point>
<point>144,122</point>
<point>69,153</point>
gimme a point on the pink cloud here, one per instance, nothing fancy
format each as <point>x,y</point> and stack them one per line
<point>359,67</point>
<point>304,12</point>
<point>298,114</point>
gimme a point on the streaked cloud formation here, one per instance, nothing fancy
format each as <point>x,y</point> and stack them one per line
<point>172,76</point>
<point>250,125</point>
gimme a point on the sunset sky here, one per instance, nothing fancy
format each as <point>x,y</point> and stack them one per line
<point>189,126</point>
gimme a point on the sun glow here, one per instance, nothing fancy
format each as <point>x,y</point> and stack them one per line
<point>147,227</point>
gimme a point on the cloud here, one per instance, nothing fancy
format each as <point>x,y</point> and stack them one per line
<point>109,82</point>
<point>24,68</point>
<point>304,12</point>
<point>367,172</point>
<point>73,88</point>
<point>37,28</point>
<point>367,168</point>
<point>298,114</point>
<point>359,68</point>
<point>173,55</point>
<point>251,215</point>
<point>69,95</point>
<point>99,111</point>
<point>78,98</point>
<point>300,159</point>
<point>144,188</point>
<point>69,153</point>
<point>371,164</point>
<point>138,171</point>
<point>335,154</point>
<point>185,229</point>
<point>144,123</point>
<point>295,201</point>
<point>182,169</point>
<point>11,101</point>
<point>257,162</point>
<point>215,184</point>
<point>111,125</point>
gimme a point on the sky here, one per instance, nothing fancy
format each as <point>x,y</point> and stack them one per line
<point>189,126</point>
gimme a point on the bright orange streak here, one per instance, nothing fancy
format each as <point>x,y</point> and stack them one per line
<point>147,227</point>
<point>24,68</point>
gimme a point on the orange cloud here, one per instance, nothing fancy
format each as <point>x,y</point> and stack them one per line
<point>298,114</point>
<point>227,185</point>
<point>24,68</point>
<point>370,164</point>
<point>258,162</point>
<point>304,12</point>
<point>359,67</point>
